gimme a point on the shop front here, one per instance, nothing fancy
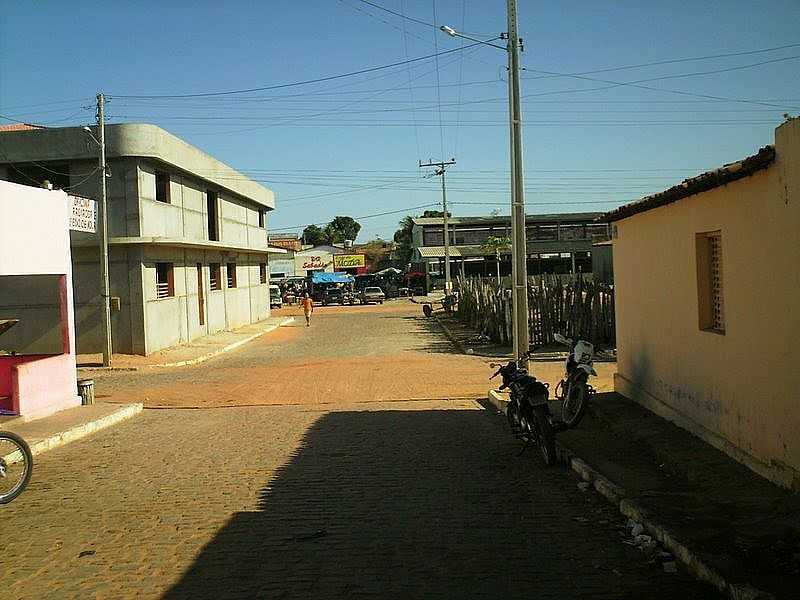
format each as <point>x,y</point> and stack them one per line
<point>353,264</point>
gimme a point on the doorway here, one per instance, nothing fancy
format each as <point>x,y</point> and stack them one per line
<point>201,301</point>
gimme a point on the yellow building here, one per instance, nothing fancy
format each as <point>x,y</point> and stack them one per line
<point>708,306</point>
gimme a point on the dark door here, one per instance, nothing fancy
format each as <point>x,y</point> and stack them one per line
<point>201,304</point>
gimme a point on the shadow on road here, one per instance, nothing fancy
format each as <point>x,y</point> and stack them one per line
<point>411,504</point>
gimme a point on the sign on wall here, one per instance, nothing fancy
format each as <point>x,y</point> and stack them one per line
<point>348,261</point>
<point>313,261</point>
<point>82,214</point>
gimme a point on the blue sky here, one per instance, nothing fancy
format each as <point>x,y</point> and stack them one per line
<point>350,146</point>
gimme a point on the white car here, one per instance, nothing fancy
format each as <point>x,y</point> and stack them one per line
<point>372,294</point>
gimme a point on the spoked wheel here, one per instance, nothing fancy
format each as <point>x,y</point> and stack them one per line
<point>575,401</point>
<point>16,466</point>
<point>545,440</point>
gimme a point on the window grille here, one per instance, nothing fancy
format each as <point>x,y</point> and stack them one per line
<point>214,276</point>
<point>165,287</point>
<point>715,271</point>
<point>231,275</point>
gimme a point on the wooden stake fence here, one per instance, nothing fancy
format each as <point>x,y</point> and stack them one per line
<point>577,308</point>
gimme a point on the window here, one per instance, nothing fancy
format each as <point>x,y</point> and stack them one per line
<point>165,283</point>
<point>215,279</point>
<point>262,219</point>
<point>162,186</point>
<point>231,275</point>
<point>711,308</point>
<point>262,271</point>
<point>213,222</point>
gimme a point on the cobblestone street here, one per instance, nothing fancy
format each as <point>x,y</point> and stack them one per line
<point>333,483</point>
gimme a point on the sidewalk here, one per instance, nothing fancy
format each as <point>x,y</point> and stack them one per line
<point>199,350</point>
<point>731,527</point>
<point>69,425</point>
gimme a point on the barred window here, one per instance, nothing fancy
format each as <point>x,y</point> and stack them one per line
<point>214,277</point>
<point>165,282</point>
<point>710,296</point>
<point>262,272</point>
<point>231,275</point>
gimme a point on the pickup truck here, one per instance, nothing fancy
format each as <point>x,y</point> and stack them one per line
<point>372,294</point>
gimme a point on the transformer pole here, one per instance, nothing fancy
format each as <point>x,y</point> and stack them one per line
<point>441,170</point>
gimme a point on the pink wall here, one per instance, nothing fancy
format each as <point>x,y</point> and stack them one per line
<point>34,239</point>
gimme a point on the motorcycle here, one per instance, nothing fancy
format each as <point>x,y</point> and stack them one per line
<point>528,412</point>
<point>574,390</point>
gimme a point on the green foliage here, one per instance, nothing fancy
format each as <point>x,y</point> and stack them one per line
<point>496,245</point>
<point>341,229</point>
<point>335,232</point>
<point>313,235</point>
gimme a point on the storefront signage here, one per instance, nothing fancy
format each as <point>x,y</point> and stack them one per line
<point>313,261</point>
<point>82,214</point>
<point>348,261</point>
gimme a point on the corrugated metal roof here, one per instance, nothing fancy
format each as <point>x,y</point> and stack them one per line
<point>695,185</point>
<point>437,251</point>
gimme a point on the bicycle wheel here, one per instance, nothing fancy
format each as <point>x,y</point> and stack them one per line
<point>16,466</point>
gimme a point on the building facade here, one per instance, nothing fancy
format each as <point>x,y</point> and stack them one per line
<point>188,251</point>
<point>706,283</point>
<point>557,243</point>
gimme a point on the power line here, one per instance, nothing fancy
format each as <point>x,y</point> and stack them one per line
<point>361,218</point>
<point>673,61</point>
<point>438,87</point>
<point>298,83</point>
<point>402,16</point>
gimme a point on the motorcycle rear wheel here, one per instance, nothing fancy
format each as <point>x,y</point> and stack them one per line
<point>545,439</point>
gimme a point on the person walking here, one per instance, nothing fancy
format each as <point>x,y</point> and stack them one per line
<point>308,308</point>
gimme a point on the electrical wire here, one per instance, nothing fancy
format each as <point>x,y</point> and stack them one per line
<point>361,218</point>
<point>296,83</point>
<point>438,85</point>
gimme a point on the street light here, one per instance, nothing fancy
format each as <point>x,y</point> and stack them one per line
<point>518,236</point>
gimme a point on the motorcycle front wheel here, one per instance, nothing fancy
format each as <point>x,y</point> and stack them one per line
<point>575,400</point>
<point>16,466</point>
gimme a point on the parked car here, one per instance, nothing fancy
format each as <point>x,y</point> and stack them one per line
<point>372,294</point>
<point>275,300</point>
<point>334,296</point>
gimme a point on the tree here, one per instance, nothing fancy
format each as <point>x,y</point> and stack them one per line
<point>496,245</point>
<point>313,235</point>
<point>341,229</point>
<point>377,253</point>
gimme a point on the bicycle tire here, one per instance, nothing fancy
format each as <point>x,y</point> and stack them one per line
<point>27,457</point>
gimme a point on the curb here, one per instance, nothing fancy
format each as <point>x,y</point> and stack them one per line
<point>617,496</point>
<point>199,359</point>
<point>84,429</point>
<point>449,335</point>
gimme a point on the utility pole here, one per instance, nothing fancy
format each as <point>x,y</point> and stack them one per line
<point>519,241</point>
<point>519,244</point>
<point>441,170</point>
<point>105,297</point>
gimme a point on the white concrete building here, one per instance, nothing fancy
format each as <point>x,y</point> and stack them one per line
<point>187,233</point>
